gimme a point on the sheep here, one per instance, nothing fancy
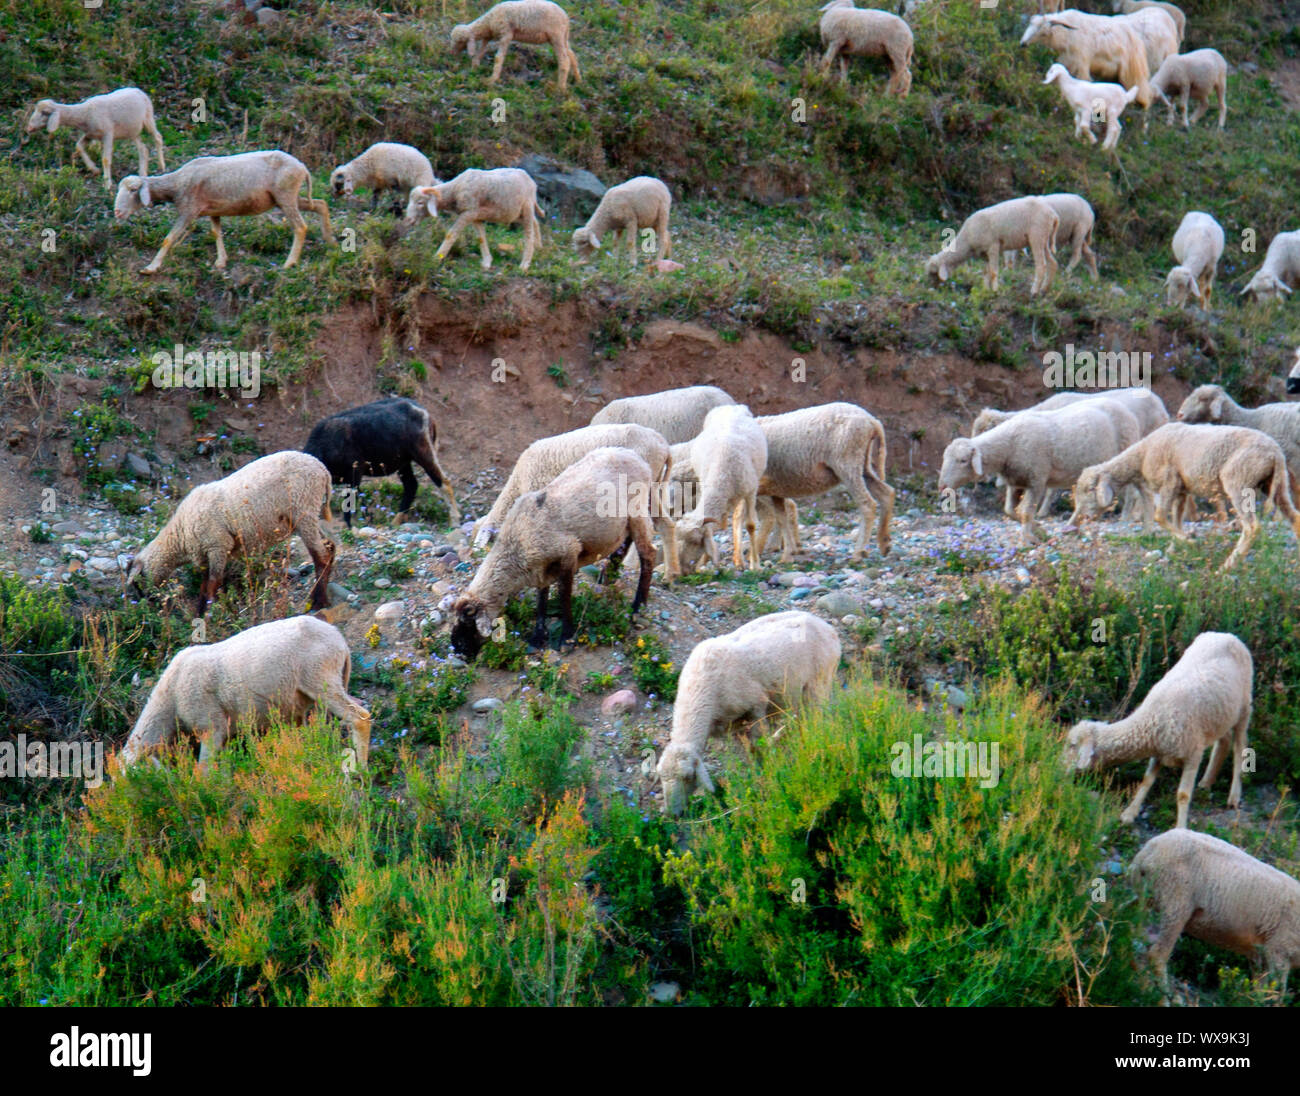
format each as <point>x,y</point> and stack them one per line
<point>378,439</point>
<point>592,510</point>
<point>546,458</point>
<point>1075,229</point>
<point>1280,421</point>
<point>1159,34</point>
<point>500,196</point>
<point>1198,245</point>
<point>812,449</point>
<point>1090,46</point>
<point>728,459</point>
<point>1280,272</point>
<point>1035,452</point>
<point>286,666</point>
<point>534,22</point>
<point>384,166</point>
<point>118,115</point>
<point>848,31</point>
<point>774,662</point>
<point>678,413</point>
<point>1232,463</point>
<point>1089,101</point>
<point>1173,11</point>
<point>631,207</point>
<point>1204,700</point>
<point>1219,894</point>
<point>1007,226</point>
<point>1193,76</point>
<point>262,504</point>
<point>226,186</point>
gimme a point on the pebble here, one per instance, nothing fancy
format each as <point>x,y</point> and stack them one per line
<point>664,993</point>
<point>1114,867</point>
<point>390,611</point>
<point>618,703</point>
<point>487,704</point>
<point>838,604</point>
<point>138,465</point>
<point>799,593</point>
<point>339,593</point>
<point>102,563</point>
<point>383,583</point>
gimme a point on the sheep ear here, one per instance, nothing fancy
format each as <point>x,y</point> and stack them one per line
<point>1284,287</point>
<point>976,462</point>
<point>1085,755</point>
<point>484,624</point>
<point>1216,408</point>
<point>1105,493</point>
<point>712,544</point>
<point>594,240</point>
<point>943,272</point>
<point>702,774</point>
<point>145,197</point>
<point>53,123</point>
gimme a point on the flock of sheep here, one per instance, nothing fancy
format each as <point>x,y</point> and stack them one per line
<point>684,464</point>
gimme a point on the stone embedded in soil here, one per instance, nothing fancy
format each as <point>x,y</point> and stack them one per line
<point>382,583</point>
<point>664,992</point>
<point>487,704</point>
<point>390,612</point>
<point>838,604</point>
<point>102,563</point>
<point>618,703</point>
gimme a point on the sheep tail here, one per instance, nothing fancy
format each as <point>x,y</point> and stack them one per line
<point>876,448</point>
<point>1279,493</point>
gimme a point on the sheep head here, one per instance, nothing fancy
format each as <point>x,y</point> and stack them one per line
<point>1206,404</point>
<point>937,266</point>
<point>962,464</point>
<point>1081,745</point>
<point>471,626</point>
<point>1179,285</point>
<point>132,196</point>
<point>1055,73</point>
<point>694,539</point>
<point>45,113</point>
<point>1093,494</point>
<point>1266,287</point>
<point>680,769</point>
<point>986,420</point>
<point>462,37</point>
<point>423,202</point>
<point>586,241</point>
<point>341,182</point>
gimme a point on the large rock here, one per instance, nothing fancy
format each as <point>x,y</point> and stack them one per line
<point>571,194</point>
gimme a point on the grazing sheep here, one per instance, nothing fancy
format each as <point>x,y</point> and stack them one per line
<point>378,439</point>
<point>728,459</point>
<point>640,203</point>
<point>384,166</point>
<point>677,413</point>
<point>1221,895</point>
<point>774,663</point>
<point>1193,75</point>
<point>119,115</point>
<point>1075,229</point>
<point>1198,245</point>
<point>500,196</point>
<point>285,666</point>
<point>1089,101</point>
<point>1280,421</point>
<point>592,510</point>
<point>1090,46</point>
<point>848,31</point>
<point>1280,272</point>
<point>811,450</point>
<point>1007,226</point>
<point>1035,452</point>
<point>533,22</point>
<point>226,186</point>
<point>1203,701</point>
<point>1126,7</point>
<point>1225,463</point>
<point>262,504</point>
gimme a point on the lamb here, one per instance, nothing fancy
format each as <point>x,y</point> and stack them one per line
<point>1103,102</point>
<point>285,666</point>
<point>848,31</point>
<point>226,186</point>
<point>378,439</point>
<point>1090,46</point>
<point>118,115</point>
<point>546,458</point>
<point>534,22</point>
<point>1075,229</point>
<point>728,458</point>
<point>774,662</point>
<point>1204,700</point>
<point>640,203</point>
<point>262,504</point>
<point>1280,421</point>
<point>1007,226</point>
<point>500,196</point>
<point>1035,452</point>
<point>678,413</point>
<point>1220,894</point>
<point>1198,245</point>
<point>1173,11</point>
<point>1232,463</point>
<point>812,449</point>
<point>384,166</point>
<point>1193,76</point>
<point>592,510</point>
<point>1280,272</point>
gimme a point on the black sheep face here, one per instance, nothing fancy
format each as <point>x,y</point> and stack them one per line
<point>470,629</point>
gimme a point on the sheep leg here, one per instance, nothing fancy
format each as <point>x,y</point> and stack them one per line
<point>573,62</point>
<point>485,255</point>
<point>80,146</point>
<point>1130,813</point>
<point>106,154</point>
<point>1029,503</point>
<point>318,206</point>
<point>1238,756</point>
<point>1185,785</point>
<point>299,226</point>
<point>1174,915</point>
<point>352,716</point>
<point>884,496</point>
<point>750,505</point>
<point>1202,106</point>
<point>566,608</point>
<point>210,744</point>
<point>213,579</point>
<point>1182,100</point>
<point>453,234</point>
<point>428,460</point>
<point>143,150</point>
<point>645,554</point>
<point>354,485</point>
<point>152,127</point>
<point>631,231</point>
<point>789,524</point>
<point>502,50</point>
<point>1221,89</point>
<point>539,628</point>
<point>561,63</point>
<point>1249,530</point>
<point>221,243</point>
<point>829,57</point>
<point>531,235</point>
<point>321,550</point>
<point>662,237</point>
<point>1221,748</point>
<point>1091,257</point>
<point>991,268</point>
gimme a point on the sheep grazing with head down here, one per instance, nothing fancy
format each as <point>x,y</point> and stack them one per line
<point>286,667</point>
<point>774,663</point>
<point>847,31</point>
<point>384,166</point>
<point>633,207</point>
<point>1196,75</point>
<point>117,116</point>
<point>1007,226</point>
<point>1198,246</point>
<point>1280,272</point>
<point>502,196</point>
<point>533,22</point>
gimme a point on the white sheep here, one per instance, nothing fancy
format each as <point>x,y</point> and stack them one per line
<point>847,31</point>
<point>226,186</point>
<point>1159,34</point>
<point>728,459</point>
<point>1075,229</point>
<point>262,504</point>
<point>592,510</point>
<point>502,195</point>
<point>632,207</point>
<point>1203,701</point>
<point>285,666</point>
<point>1173,11</point>
<point>775,662</point>
<point>811,450</point>
<point>677,413</point>
<point>1193,75</point>
<point>533,22</point>
<point>1280,421</point>
<point>1090,46</point>
<point>1198,246</point>
<point>1235,464</point>
<point>1103,103</point>
<point>1220,894</point>
<point>384,166</point>
<point>119,115</point>
<point>1006,226</point>
<point>1280,272</point>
